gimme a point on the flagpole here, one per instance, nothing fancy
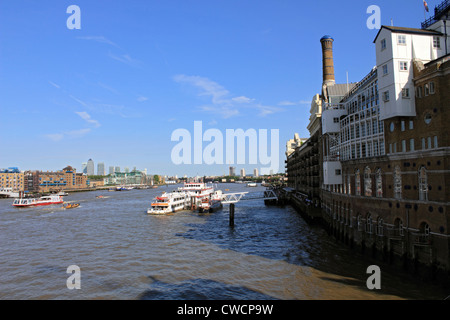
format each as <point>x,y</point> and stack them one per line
<point>425,9</point>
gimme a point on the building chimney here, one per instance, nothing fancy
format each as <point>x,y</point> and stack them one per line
<point>328,62</point>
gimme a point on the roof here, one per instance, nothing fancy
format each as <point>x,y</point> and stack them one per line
<point>339,89</point>
<point>408,30</point>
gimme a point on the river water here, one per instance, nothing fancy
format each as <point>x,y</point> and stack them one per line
<point>123,253</point>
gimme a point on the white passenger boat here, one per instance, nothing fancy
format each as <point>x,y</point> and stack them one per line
<point>8,192</point>
<point>211,203</point>
<point>169,203</point>
<point>251,184</point>
<point>42,201</point>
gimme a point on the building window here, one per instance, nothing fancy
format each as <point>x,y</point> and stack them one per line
<point>401,39</point>
<point>369,225</point>
<point>367,182</point>
<point>403,145</point>
<point>403,66</point>
<point>397,183</point>
<point>419,92</point>
<point>411,145</point>
<point>426,89</point>
<point>398,227</point>
<point>423,184</point>
<point>431,87</point>
<point>437,42</point>
<point>436,142</point>
<point>385,70</point>
<point>357,183</point>
<point>379,183</point>
<point>380,230</point>
<point>411,125</point>
<point>359,222</point>
<point>424,146</point>
<point>336,120</point>
<point>405,93</point>
<point>386,96</point>
<point>383,44</point>
<point>402,125</point>
<point>349,185</point>
<point>427,118</point>
<point>425,228</point>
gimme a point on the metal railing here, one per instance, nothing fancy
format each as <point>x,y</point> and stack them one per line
<point>438,10</point>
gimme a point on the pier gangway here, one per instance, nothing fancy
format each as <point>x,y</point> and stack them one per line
<point>229,198</point>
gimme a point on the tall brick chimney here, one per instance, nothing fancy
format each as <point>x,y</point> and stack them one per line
<point>328,62</point>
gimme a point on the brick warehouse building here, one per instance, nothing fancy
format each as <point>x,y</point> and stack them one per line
<point>384,151</point>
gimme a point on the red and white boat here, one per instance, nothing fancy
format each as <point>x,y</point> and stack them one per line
<point>42,201</point>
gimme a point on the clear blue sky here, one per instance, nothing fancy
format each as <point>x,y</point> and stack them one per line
<point>116,89</point>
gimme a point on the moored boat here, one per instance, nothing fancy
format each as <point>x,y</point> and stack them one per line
<point>42,201</point>
<point>169,203</point>
<point>9,193</point>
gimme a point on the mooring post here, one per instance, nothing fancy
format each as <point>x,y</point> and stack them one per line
<point>231,214</point>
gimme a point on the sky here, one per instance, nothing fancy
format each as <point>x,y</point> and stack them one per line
<point>136,71</point>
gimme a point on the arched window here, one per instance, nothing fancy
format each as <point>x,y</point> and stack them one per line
<point>357,183</point>
<point>397,183</point>
<point>398,225</point>
<point>379,183</point>
<point>423,184</point>
<point>424,236</point>
<point>424,228</point>
<point>369,226</point>
<point>367,182</point>
<point>359,222</point>
<point>380,223</point>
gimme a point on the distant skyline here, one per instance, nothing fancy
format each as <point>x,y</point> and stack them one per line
<point>115,90</point>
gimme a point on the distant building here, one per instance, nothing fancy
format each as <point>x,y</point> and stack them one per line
<point>66,179</point>
<point>293,144</point>
<point>232,171</point>
<point>111,170</point>
<point>256,173</point>
<point>84,167</point>
<point>127,178</point>
<point>242,172</point>
<point>101,169</point>
<point>116,169</point>
<point>12,178</point>
<point>90,168</point>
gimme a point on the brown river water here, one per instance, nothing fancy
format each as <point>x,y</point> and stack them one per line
<point>123,253</point>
